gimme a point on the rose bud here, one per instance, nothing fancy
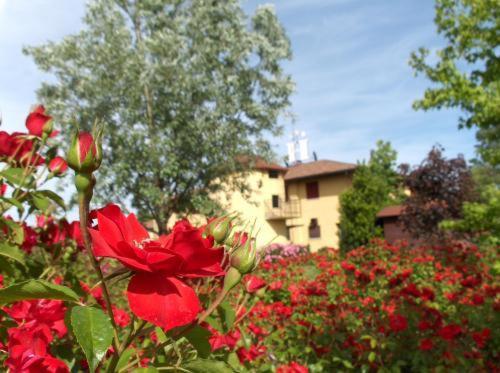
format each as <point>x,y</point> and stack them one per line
<point>219,228</point>
<point>236,239</point>
<point>244,258</point>
<point>85,152</point>
<point>38,123</point>
<point>58,166</point>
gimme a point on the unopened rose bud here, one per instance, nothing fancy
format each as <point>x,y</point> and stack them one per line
<point>244,258</point>
<point>232,278</point>
<point>85,152</point>
<point>39,123</point>
<point>58,166</point>
<point>219,228</point>
<point>236,239</point>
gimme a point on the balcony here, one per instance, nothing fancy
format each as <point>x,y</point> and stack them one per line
<point>281,209</point>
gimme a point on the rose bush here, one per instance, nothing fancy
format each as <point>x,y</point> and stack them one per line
<point>380,308</point>
<point>103,293</point>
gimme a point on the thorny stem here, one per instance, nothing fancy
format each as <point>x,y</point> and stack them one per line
<point>83,202</point>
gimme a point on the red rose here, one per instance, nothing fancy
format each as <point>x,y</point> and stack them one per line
<point>482,337</point>
<point>254,283</point>
<point>425,345</point>
<point>157,292</point>
<point>398,323</point>
<point>450,332</point>
<point>38,122</point>
<point>58,166</point>
<point>293,367</point>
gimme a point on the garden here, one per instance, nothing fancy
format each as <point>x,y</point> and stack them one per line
<point>104,294</point>
<point>117,253</point>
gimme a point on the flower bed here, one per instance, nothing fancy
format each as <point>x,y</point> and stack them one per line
<point>381,308</point>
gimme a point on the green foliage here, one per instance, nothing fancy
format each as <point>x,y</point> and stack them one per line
<point>467,72</point>
<point>183,87</point>
<point>208,366</point>
<point>480,219</point>
<point>375,185</point>
<point>36,289</point>
<point>93,330</point>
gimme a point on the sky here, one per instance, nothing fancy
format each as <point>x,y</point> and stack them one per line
<point>350,64</point>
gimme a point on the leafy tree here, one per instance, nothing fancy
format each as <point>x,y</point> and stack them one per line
<point>467,72</point>
<point>375,184</point>
<point>438,189</point>
<point>184,88</point>
<point>481,218</point>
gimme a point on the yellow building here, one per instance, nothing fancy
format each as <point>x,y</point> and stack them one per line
<point>298,204</point>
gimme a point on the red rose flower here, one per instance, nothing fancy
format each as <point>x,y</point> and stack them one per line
<point>157,292</point>
<point>38,122</point>
<point>293,367</point>
<point>450,332</point>
<point>58,166</point>
<point>482,337</point>
<point>425,345</point>
<point>254,283</point>
<point>398,323</point>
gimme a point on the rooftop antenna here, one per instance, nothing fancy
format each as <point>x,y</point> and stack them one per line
<point>298,147</point>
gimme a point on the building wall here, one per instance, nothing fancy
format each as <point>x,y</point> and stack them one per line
<point>254,207</point>
<point>325,209</point>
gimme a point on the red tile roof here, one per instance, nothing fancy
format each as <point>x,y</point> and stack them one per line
<point>317,168</point>
<point>390,211</point>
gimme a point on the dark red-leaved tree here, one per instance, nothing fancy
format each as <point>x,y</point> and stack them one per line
<point>438,188</point>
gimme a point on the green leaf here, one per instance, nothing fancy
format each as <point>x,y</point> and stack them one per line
<point>372,356</point>
<point>124,358</point>
<point>54,197</point>
<point>12,252</point>
<point>227,315</point>
<point>14,202</point>
<point>311,272</point>
<point>146,370</point>
<point>41,202</point>
<point>208,366</point>
<point>160,334</point>
<point>93,331</point>
<point>36,289</point>
<point>15,176</point>
<point>198,337</point>
<point>16,231</point>
<point>6,267</point>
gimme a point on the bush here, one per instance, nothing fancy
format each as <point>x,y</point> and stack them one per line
<point>379,308</point>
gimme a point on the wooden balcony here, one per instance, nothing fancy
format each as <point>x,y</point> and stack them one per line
<point>283,209</point>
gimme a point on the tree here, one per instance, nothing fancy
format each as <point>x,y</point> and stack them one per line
<point>184,88</point>
<point>375,184</point>
<point>467,72</point>
<point>481,219</point>
<point>438,189</point>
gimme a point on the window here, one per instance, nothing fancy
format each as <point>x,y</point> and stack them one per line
<point>276,201</point>
<point>273,174</point>
<point>314,229</point>
<point>312,190</point>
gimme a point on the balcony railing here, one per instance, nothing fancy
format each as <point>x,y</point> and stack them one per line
<point>283,209</point>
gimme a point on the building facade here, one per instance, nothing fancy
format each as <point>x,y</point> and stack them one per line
<point>298,204</point>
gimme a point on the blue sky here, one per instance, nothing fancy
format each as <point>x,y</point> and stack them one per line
<point>354,84</point>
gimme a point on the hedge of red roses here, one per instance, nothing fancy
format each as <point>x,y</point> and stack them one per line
<point>380,308</point>
<point>103,293</point>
